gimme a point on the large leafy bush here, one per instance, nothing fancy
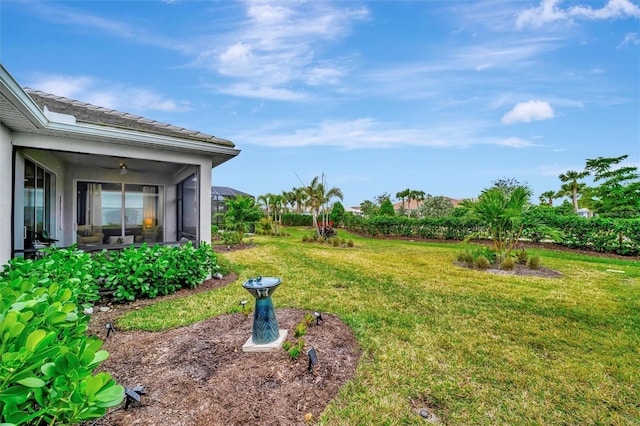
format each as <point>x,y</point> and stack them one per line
<point>46,373</point>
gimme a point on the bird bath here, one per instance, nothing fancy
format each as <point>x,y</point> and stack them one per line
<point>266,336</point>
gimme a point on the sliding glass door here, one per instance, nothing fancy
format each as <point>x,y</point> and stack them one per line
<point>38,198</point>
<point>119,213</point>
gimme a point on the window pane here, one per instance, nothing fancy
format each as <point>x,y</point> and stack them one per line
<point>112,210</point>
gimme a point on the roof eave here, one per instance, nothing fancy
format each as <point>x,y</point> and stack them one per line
<point>21,100</point>
<point>115,135</point>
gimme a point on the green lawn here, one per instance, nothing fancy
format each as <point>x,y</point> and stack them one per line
<point>474,347</point>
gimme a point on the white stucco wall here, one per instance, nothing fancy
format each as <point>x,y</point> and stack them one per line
<point>205,202</point>
<point>5,194</point>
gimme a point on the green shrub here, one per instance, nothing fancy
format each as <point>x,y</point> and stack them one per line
<point>482,262</point>
<point>522,257</point>
<point>350,243</point>
<point>534,262</point>
<point>147,272</point>
<point>230,238</point>
<point>486,252</point>
<point>507,264</point>
<point>466,257</point>
<point>47,358</point>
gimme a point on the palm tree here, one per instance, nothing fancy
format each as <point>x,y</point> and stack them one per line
<point>277,203</point>
<point>300,198</point>
<point>241,213</point>
<point>289,200</point>
<point>318,196</point>
<point>547,197</point>
<point>416,195</point>
<point>402,195</point>
<point>572,187</point>
<point>502,214</point>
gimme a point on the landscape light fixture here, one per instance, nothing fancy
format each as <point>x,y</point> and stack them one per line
<point>313,358</point>
<point>318,316</point>
<point>242,303</point>
<point>123,168</point>
<point>133,394</point>
<point>110,328</point>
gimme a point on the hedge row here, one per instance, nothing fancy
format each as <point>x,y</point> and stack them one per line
<point>621,236</point>
<point>294,219</point>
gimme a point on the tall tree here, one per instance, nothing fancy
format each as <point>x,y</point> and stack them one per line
<point>571,185</point>
<point>318,196</point>
<point>386,208</point>
<point>417,195</point>
<point>436,207</point>
<point>618,194</point>
<point>547,198</point>
<point>300,198</point>
<point>402,195</point>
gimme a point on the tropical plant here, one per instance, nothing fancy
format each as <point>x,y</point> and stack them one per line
<point>572,188</point>
<point>546,198</point>
<point>618,194</point>
<point>402,195</point>
<point>318,196</point>
<point>502,215</point>
<point>242,212</point>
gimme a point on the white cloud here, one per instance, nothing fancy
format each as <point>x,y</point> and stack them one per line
<point>630,39</point>
<point>278,44</point>
<point>538,16</point>
<point>613,9</point>
<point>368,133</point>
<point>67,86</point>
<point>107,94</point>
<point>247,90</point>
<point>515,143</point>
<point>529,111</point>
<point>548,11</point>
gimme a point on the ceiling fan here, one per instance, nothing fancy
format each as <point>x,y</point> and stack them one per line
<point>122,167</point>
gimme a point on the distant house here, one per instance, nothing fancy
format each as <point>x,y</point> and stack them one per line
<point>585,212</point>
<point>415,205</point>
<point>87,175</point>
<point>355,210</point>
<point>219,195</point>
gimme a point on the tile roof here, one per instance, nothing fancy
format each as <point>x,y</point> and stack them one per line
<point>225,191</point>
<point>96,115</point>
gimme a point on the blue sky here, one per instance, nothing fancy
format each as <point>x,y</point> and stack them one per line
<point>379,96</point>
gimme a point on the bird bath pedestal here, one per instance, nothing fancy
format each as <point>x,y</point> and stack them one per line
<point>266,335</point>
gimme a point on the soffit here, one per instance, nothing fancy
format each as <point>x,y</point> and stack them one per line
<point>13,118</point>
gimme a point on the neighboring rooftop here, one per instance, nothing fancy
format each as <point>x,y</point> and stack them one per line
<point>96,115</point>
<point>225,191</point>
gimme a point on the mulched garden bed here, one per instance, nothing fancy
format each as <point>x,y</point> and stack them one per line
<point>198,375</point>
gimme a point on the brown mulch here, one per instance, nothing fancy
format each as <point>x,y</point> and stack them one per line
<point>199,375</point>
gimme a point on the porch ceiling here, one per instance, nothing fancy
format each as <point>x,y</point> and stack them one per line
<point>113,163</point>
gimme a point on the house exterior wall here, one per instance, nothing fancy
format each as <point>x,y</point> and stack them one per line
<point>6,154</point>
<point>205,202</point>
